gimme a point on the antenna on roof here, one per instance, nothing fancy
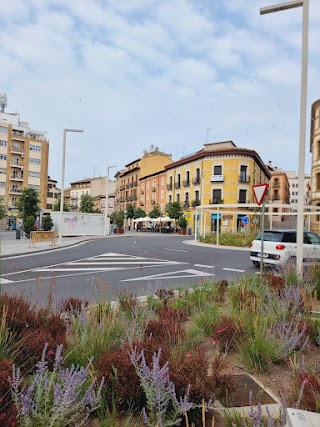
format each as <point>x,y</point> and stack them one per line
<point>94,170</point>
<point>3,101</point>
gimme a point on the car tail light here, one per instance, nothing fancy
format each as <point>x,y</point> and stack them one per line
<point>280,247</point>
<point>251,245</point>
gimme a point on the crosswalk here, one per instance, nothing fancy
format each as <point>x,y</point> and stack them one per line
<point>108,262</point>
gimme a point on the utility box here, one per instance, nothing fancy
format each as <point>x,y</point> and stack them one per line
<point>18,233</point>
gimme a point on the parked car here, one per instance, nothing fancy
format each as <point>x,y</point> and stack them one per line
<point>280,246</point>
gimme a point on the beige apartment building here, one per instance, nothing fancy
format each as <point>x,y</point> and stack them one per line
<point>128,180</point>
<point>24,154</point>
<point>53,193</point>
<point>278,192</point>
<point>315,165</point>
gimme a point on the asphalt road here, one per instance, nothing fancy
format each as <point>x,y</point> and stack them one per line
<point>100,269</point>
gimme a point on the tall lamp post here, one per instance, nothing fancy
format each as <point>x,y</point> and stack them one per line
<point>106,209</point>
<point>303,114</point>
<point>62,178</point>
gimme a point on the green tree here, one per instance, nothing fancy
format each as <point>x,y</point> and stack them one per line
<point>156,212</point>
<point>29,203</point>
<point>130,213</point>
<point>117,218</point>
<point>56,206</point>
<point>86,203</point>
<point>47,223</point>
<point>139,213</point>
<point>3,211</point>
<point>174,210</point>
<point>182,223</point>
<point>29,224</point>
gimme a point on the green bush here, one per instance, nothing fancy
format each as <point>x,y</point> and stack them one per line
<point>29,224</point>
<point>47,223</point>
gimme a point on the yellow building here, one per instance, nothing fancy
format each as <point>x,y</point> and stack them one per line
<point>315,169</point>
<point>23,161</point>
<point>128,180</point>
<point>221,173</point>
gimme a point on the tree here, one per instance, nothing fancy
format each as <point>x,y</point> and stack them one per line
<point>3,211</point>
<point>174,210</point>
<point>29,224</point>
<point>130,211</point>
<point>28,204</point>
<point>47,223</point>
<point>86,203</point>
<point>117,218</point>
<point>139,213</point>
<point>183,223</point>
<point>156,212</point>
<point>56,206</point>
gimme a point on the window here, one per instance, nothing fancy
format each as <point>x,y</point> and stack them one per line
<point>242,196</point>
<point>217,170</point>
<point>36,148</point>
<point>196,195</point>
<point>170,199</point>
<point>2,185</point>
<point>34,161</point>
<point>3,129</point>
<point>216,196</point>
<point>187,176</point>
<point>3,157</point>
<point>34,174</point>
<point>3,170</point>
<point>3,143</point>
<point>318,181</point>
<point>314,239</point>
<point>178,198</point>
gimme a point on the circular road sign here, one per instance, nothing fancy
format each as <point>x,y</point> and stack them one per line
<point>245,220</point>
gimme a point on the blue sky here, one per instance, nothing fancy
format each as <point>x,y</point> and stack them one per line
<point>172,73</point>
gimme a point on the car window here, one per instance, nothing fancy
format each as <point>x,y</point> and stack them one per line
<point>289,237</point>
<point>314,238</point>
<point>270,236</point>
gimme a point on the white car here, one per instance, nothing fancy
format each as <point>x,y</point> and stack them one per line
<point>280,246</point>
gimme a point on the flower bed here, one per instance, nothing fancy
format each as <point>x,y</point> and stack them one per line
<point>165,361</point>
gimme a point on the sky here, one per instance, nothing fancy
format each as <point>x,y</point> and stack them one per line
<point>175,74</point>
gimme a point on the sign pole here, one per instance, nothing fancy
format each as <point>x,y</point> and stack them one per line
<point>262,235</point>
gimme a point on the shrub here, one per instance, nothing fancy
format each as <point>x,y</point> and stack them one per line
<point>73,305</point>
<point>227,333</point>
<point>127,302</point>
<point>47,223</point>
<point>19,313</point>
<point>7,409</point>
<point>306,388</point>
<point>274,282</point>
<point>205,318</point>
<point>29,224</point>
<point>168,327</point>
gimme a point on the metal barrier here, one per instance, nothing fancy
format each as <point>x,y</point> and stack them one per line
<point>42,236</point>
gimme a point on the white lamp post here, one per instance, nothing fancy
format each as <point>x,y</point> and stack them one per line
<point>62,178</point>
<point>303,114</point>
<point>106,209</point>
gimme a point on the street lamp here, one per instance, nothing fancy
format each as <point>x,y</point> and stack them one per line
<point>62,178</point>
<point>106,209</point>
<point>303,114</point>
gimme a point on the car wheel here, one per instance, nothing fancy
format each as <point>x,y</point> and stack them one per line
<point>256,264</point>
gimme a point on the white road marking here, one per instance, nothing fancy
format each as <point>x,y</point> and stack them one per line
<point>127,262</point>
<point>203,265</point>
<point>4,281</point>
<point>173,275</point>
<point>234,269</point>
<point>80,269</point>
<point>176,250</point>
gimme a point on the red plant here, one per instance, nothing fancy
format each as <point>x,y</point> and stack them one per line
<point>192,368</point>
<point>168,327</point>
<point>7,409</point>
<point>73,305</point>
<point>20,315</point>
<point>307,390</point>
<point>275,283</point>
<point>226,333</point>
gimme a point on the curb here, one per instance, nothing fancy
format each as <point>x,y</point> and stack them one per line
<point>211,246</point>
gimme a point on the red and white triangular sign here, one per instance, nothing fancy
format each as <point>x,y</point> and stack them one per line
<point>259,192</point>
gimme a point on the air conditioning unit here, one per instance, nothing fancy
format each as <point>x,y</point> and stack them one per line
<point>298,418</point>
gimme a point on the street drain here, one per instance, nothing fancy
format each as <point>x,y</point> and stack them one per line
<point>244,384</point>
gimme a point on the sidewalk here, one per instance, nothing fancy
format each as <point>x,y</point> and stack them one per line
<point>11,247</point>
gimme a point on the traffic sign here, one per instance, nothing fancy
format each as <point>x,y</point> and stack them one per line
<point>245,220</point>
<point>259,192</point>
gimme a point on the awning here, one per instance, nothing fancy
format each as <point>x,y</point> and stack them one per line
<point>216,216</point>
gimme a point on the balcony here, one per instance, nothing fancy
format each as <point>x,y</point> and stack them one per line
<point>15,191</point>
<point>244,178</point>
<point>18,133</point>
<point>215,201</point>
<point>127,186</point>
<point>153,202</point>
<point>242,201</point>
<point>186,183</point>
<point>217,178</point>
<point>134,197</point>
<point>276,198</point>
<point>135,184</point>
<point>197,181</point>
<point>195,203</point>
<point>154,189</point>
<point>16,178</point>
<point>142,192</point>
<point>169,187</point>
<point>276,185</point>
<point>122,187</point>
<point>186,204</point>
<point>17,150</point>
<point>16,165</point>
<point>177,185</point>
<point>141,204</point>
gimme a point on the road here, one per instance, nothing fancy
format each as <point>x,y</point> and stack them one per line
<point>100,269</point>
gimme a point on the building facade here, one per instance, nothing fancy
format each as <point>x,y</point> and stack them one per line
<point>315,165</point>
<point>278,192</point>
<point>53,193</point>
<point>24,155</point>
<point>128,180</point>
<point>153,191</point>
<point>220,173</point>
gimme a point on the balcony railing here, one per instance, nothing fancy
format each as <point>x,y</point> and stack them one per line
<point>122,187</point>
<point>197,181</point>
<point>186,204</point>
<point>18,150</point>
<point>16,178</point>
<point>127,185</point>
<point>141,204</point>
<point>276,197</point>
<point>217,178</point>
<point>16,165</point>
<point>244,178</point>
<point>169,187</point>
<point>15,191</point>
<point>177,184</point>
<point>195,203</point>
<point>276,185</point>
<point>154,189</point>
<point>135,183</point>
<point>142,192</point>
<point>17,133</point>
<point>242,201</point>
<point>186,183</point>
<point>215,201</point>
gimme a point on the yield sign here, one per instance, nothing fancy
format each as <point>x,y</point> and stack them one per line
<point>259,192</point>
